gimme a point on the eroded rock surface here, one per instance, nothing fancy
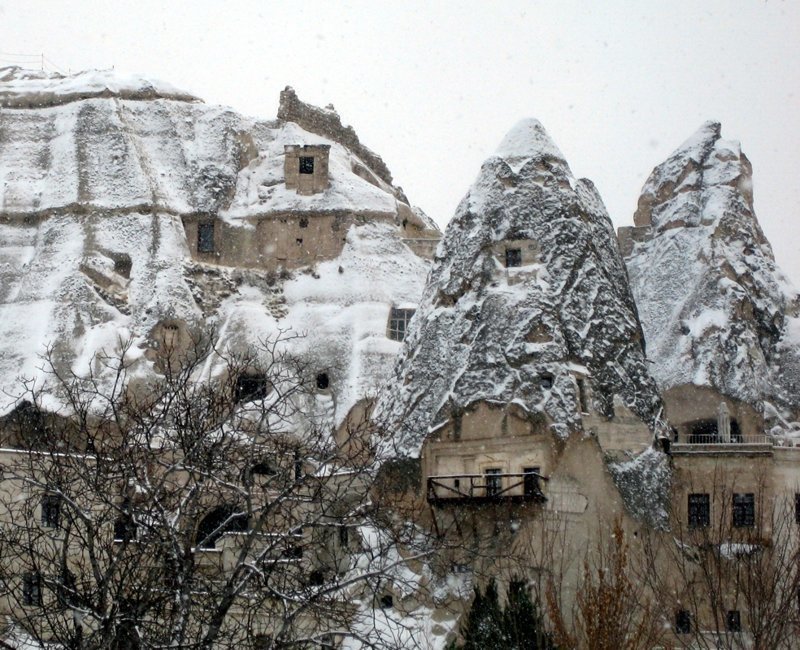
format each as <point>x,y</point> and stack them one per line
<point>528,292</point>
<point>715,308</point>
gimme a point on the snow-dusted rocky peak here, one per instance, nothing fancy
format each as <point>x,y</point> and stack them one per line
<point>37,88</point>
<point>527,294</point>
<point>715,309</point>
<point>98,191</point>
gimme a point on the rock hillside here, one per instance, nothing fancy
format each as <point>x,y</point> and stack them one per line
<point>98,173</point>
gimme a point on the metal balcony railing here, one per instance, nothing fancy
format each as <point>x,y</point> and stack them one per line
<point>716,439</point>
<point>518,487</point>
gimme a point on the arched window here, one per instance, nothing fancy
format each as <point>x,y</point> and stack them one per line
<point>223,519</point>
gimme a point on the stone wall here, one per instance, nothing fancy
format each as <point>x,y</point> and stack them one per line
<point>326,122</point>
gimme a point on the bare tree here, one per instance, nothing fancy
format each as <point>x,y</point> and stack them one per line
<point>727,573</point>
<point>612,609</point>
<point>190,511</point>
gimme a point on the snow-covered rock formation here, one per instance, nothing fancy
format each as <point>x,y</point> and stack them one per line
<point>528,292</point>
<point>715,309</point>
<point>101,178</point>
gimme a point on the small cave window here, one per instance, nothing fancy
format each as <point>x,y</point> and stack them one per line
<point>344,536</point>
<point>306,164</point>
<point>123,265</point>
<point>513,257</point>
<point>323,381</point>
<point>217,522</point>
<point>387,601</point>
<point>582,397</point>
<point>124,529</point>
<point>293,551</point>
<point>683,622</point>
<point>262,642</point>
<point>250,387</point>
<point>398,323</point>
<point>205,238</point>
<point>546,380</point>
<point>262,468</point>
<point>303,223</point>
<point>51,510</point>
<point>32,589</point>
<point>316,578</point>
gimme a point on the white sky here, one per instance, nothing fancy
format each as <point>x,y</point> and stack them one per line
<point>433,86</point>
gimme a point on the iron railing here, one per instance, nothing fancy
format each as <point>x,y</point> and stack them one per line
<point>716,439</point>
<point>495,487</point>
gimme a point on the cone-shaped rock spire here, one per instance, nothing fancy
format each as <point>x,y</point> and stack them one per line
<point>715,309</point>
<point>528,293</point>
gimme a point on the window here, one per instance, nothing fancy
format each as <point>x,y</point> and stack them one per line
<point>51,510</point>
<point>387,601</point>
<point>205,238</point>
<point>530,481</point>
<point>344,536</point>
<point>66,588</point>
<point>582,400</point>
<point>513,257</point>
<point>316,578</point>
<point>250,387</point>
<point>293,551</point>
<point>217,522</point>
<point>306,164</point>
<point>683,622</point>
<point>744,510</point>
<point>733,621</point>
<point>797,507</point>
<point>124,529</point>
<point>546,380</point>
<point>323,381</point>
<point>494,482</point>
<point>32,589</point>
<point>398,323</point>
<point>699,511</point>
<point>298,466</point>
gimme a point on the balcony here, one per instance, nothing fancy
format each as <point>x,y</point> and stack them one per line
<point>712,443</point>
<point>486,488</point>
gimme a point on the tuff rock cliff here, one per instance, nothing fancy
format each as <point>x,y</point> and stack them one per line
<point>98,174</point>
<point>715,309</point>
<point>490,330</point>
